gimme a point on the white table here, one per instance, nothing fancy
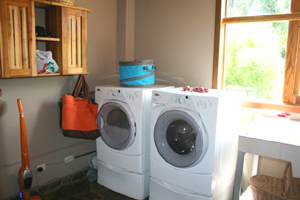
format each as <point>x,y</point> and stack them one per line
<point>269,137</point>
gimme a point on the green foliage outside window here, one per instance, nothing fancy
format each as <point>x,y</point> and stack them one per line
<point>255,52</point>
<point>236,8</point>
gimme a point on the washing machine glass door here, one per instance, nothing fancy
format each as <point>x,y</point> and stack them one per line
<point>180,137</point>
<point>116,125</point>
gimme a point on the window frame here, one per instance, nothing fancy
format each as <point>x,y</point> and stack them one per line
<point>291,96</point>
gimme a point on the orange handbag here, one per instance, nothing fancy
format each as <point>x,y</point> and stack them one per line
<point>79,113</point>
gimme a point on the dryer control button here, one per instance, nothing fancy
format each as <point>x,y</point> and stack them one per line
<point>114,93</point>
<point>210,101</point>
<point>181,100</point>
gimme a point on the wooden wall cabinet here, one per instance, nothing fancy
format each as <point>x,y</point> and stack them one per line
<point>74,41</point>
<point>17,39</point>
<point>68,44</point>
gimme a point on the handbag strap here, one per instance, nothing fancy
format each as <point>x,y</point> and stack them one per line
<point>81,86</point>
<point>78,86</point>
<point>86,90</point>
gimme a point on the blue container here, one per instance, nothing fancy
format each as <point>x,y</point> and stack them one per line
<point>137,73</point>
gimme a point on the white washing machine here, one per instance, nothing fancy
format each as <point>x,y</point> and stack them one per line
<point>193,144</point>
<point>123,148</point>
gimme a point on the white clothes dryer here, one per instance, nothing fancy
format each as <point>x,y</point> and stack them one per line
<point>193,144</point>
<point>123,120</point>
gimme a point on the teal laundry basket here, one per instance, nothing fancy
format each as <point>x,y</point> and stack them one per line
<point>137,73</point>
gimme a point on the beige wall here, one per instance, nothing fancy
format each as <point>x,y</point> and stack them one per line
<point>178,35</point>
<point>102,35</point>
<point>125,30</point>
<point>40,98</point>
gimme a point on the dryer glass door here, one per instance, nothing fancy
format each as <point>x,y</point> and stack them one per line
<point>180,138</point>
<point>116,125</point>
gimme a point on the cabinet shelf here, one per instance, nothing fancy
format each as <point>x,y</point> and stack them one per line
<point>47,39</point>
<point>53,74</point>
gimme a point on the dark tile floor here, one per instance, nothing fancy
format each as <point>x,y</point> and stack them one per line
<point>84,190</point>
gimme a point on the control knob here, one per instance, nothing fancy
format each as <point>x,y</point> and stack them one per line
<point>181,100</point>
<point>114,93</point>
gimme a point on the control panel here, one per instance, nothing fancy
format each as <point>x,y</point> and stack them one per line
<point>116,94</point>
<point>182,100</point>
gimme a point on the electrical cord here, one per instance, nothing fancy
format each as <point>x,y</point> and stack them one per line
<point>37,179</point>
<point>67,159</point>
<point>84,154</point>
<point>40,169</point>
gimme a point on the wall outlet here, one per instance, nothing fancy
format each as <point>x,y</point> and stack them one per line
<point>41,168</point>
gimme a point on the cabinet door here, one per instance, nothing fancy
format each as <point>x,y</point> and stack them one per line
<point>74,41</point>
<point>17,46</point>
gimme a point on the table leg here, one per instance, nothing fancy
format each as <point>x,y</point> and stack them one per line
<point>238,176</point>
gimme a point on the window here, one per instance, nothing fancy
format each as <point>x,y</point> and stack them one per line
<point>256,52</point>
<point>254,59</point>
